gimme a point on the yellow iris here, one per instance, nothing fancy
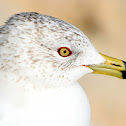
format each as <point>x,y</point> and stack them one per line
<point>64,51</point>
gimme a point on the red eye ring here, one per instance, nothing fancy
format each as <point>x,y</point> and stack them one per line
<point>64,51</point>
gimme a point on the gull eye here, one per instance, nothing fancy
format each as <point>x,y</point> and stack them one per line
<point>64,51</point>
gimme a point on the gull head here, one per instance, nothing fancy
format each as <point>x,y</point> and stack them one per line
<point>43,48</point>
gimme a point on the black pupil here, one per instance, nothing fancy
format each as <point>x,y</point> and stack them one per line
<point>64,51</point>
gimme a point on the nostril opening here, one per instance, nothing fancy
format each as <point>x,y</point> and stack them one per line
<point>115,64</point>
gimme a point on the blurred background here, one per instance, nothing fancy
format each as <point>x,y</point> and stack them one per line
<point>104,22</point>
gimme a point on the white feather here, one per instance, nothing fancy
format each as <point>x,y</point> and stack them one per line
<point>37,86</point>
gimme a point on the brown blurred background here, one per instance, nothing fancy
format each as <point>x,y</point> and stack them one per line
<point>104,22</point>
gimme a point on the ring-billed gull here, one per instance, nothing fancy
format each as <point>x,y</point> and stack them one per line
<point>41,59</point>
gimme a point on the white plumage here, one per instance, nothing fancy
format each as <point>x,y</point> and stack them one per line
<point>38,87</point>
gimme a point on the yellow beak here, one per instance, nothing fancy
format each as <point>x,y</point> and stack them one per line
<point>112,67</point>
